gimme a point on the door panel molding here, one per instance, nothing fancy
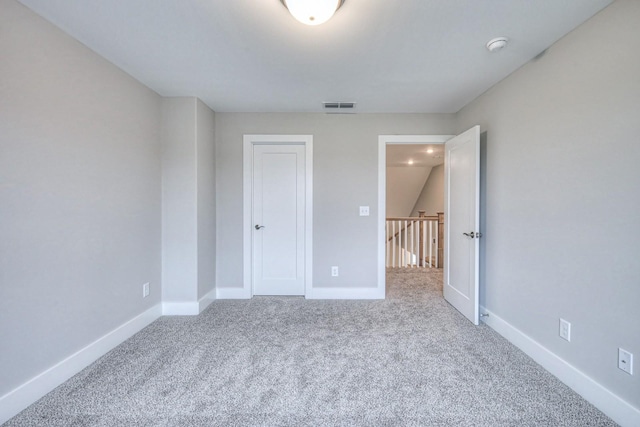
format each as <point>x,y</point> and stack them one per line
<point>248,143</point>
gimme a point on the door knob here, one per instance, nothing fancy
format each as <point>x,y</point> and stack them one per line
<point>258,227</point>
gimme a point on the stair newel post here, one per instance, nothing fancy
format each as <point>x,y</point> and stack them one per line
<point>421,214</point>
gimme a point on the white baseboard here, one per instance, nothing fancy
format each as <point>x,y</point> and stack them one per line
<point>613,406</point>
<point>206,300</point>
<point>312,293</point>
<point>345,293</point>
<point>188,308</point>
<point>233,293</point>
<point>20,398</point>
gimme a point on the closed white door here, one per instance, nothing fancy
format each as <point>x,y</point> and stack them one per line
<point>462,222</point>
<point>278,244</point>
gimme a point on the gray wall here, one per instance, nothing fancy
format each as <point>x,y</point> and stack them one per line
<point>345,177</point>
<point>206,154</point>
<point>563,195</point>
<point>404,185</point>
<point>179,200</point>
<point>188,199</point>
<point>79,196</point>
<point>431,198</point>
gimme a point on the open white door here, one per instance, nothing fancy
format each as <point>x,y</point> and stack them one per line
<point>462,222</point>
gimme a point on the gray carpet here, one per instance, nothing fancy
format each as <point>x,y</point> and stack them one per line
<point>410,360</point>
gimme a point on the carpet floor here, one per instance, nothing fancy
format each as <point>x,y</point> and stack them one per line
<point>409,360</point>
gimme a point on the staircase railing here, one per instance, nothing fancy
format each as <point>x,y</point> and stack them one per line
<point>412,242</point>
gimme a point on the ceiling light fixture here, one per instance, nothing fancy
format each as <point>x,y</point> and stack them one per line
<point>312,12</point>
<point>410,162</point>
<point>430,150</point>
<point>497,44</point>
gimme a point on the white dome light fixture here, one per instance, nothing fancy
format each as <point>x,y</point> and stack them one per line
<point>497,44</point>
<point>312,12</point>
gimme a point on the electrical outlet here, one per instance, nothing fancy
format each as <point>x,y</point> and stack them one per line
<point>334,271</point>
<point>625,361</point>
<point>145,290</point>
<point>565,330</point>
<point>364,210</point>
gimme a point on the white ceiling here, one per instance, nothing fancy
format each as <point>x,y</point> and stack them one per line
<point>252,56</point>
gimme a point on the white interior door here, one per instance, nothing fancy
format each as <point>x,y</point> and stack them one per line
<point>278,220</point>
<point>462,211</point>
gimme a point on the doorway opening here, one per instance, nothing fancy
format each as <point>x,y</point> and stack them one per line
<point>414,206</point>
<point>404,166</point>
<point>461,217</point>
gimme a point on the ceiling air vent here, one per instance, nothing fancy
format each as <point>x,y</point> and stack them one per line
<point>339,107</point>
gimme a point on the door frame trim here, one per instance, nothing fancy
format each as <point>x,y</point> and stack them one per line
<point>383,141</point>
<point>247,190</point>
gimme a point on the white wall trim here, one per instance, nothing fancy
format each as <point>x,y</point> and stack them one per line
<point>383,141</point>
<point>345,293</point>
<point>248,142</point>
<point>21,397</point>
<point>206,300</point>
<point>189,308</point>
<point>602,398</point>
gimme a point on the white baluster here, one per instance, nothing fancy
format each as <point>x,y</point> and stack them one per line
<point>425,235</point>
<point>393,244</point>
<point>411,253</point>
<point>386,243</point>
<point>430,242</point>
<point>437,239</point>
<point>404,253</point>
<point>399,244</point>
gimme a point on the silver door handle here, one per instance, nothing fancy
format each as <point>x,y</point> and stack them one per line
<point>258,227</point>
<point>473,235</point>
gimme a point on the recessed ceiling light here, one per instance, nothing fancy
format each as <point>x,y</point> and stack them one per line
<point>410,162</point>
<point>497,44</point>
<point>430,150</point>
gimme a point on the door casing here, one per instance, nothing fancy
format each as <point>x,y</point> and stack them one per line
<point>248,142</point>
